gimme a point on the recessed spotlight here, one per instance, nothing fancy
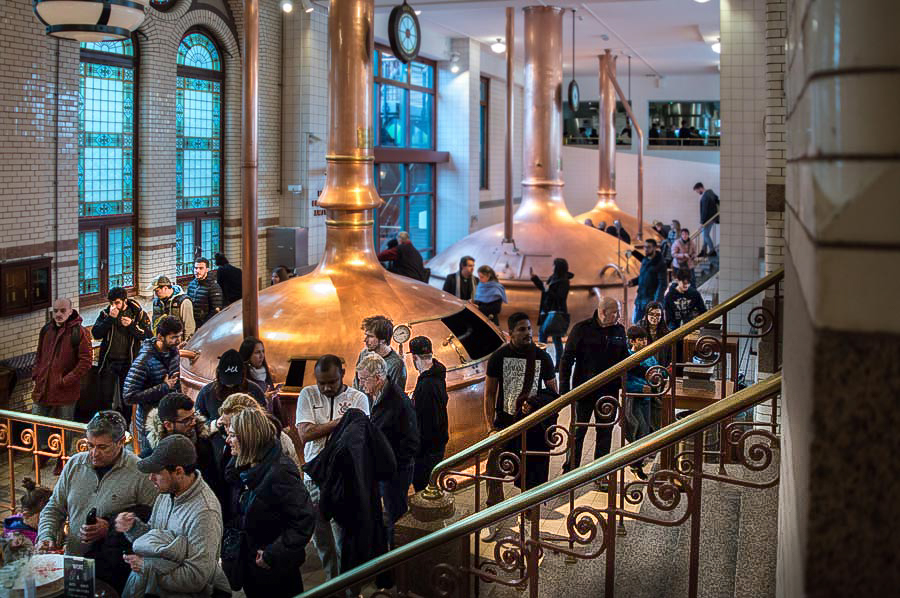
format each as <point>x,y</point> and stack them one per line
<point>498,47</point>
<point>454,62</point>
<point>701,1</point>
<point>418,12</point>
<point>287,5</point>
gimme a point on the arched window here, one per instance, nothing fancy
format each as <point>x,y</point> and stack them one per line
<point>107,168</point>
<point>198,151</point>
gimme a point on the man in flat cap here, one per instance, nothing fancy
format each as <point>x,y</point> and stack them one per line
<point>430,401</point>
<point>185,507</point>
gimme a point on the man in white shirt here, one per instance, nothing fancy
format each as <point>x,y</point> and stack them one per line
<point>320,408</point>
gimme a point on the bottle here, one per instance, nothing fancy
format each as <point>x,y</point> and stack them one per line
<point>92,517</point>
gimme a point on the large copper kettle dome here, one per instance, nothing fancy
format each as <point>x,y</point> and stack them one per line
<point>543,228</point>
<point>306,317</point>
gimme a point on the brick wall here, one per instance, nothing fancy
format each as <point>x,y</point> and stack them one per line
<point>38,144</point>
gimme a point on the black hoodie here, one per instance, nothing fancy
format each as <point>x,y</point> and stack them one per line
<point>554,295</point>
<point>430,401</point>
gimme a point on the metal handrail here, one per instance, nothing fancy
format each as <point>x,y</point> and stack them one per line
<point>501,437</point>
<point>46,421</point>
<point>702,226</point>
<point>652,443</point>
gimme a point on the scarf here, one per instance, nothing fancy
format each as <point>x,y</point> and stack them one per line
<point>490,291</point>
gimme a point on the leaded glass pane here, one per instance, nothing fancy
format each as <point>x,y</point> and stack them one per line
<point>391,179</point>
<point>421,123</point>
<point>184,248</point>
<point>197,143</point>
<point>392,117</point>
<point>421,221</point>
<point>391,68</point>
<point>209,238</point>
<point>122,47</point>
<point>200,52</point>
<point>88,262</point>
<point>121,257</point>
<point>421,74</point>
<point>105,140</point>
<point>420,179</point>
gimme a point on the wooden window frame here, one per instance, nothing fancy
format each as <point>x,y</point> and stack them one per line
<point>30,265</point>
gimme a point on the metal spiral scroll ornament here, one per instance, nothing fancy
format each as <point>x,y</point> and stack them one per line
<point>759,454</point>
<point>509,557</point>
<point>760,318</point>
<point>4,435</point>
<point>657,376</point>
<point>558,439</point>
<point>585,525</point>
<point>607,412</point>
<point>705,348</point>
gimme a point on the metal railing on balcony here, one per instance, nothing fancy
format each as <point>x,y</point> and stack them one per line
<point>590,531</point>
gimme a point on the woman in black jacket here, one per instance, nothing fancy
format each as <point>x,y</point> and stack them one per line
<point>273,518</point>
<point>654,323</point>
<point>554,317</point>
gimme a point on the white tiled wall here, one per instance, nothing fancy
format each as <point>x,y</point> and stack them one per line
<point>743,152</point>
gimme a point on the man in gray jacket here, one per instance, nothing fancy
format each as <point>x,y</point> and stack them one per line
<point>104,477</point>
<point>186,507</point>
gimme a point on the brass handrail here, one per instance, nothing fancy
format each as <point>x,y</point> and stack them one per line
<point>652,443</point>
<point>46,421</point>
<point>601,379</point>
<point>702,226</point>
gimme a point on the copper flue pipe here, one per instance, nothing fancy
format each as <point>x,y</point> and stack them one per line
<point>249,169</point>
<point>510,122</point>
<point>640,138</point>
<point>606,185</point>
<point>543,102</point>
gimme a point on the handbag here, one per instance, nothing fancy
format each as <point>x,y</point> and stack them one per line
<point>557,323</point>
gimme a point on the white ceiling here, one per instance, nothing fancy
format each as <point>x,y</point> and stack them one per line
<point>664,37</point>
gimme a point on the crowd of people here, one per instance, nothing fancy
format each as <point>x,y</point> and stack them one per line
<point>218,499</point>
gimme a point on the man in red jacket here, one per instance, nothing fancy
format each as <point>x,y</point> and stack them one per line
<point>63,358</point>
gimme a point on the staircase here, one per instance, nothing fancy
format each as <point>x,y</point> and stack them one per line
<point>706,268</point>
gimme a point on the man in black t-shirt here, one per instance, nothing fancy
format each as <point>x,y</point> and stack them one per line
<point>511,381</point>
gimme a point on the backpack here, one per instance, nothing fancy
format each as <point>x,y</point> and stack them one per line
<point>74,338</point>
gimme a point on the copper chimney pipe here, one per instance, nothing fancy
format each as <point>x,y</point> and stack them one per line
<point>510,123</point>
<point>606,186</point>
<point>249,169</point>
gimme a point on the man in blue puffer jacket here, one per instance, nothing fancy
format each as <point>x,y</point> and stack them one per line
<point>651,282</point>
<point>154,373</point>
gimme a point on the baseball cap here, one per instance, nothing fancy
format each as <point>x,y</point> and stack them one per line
<point>420,345</point>
<point>162,281</point>
<point>171,451</point>
<point>231,368</point>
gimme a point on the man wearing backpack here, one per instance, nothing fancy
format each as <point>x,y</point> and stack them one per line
<point>709,207</point>
<point>63,358</point>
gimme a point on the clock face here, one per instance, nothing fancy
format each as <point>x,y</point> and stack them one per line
<point>404,33</point>
<point>402,333</point>
<point>573,96</point>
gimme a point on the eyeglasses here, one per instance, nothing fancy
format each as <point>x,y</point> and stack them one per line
<point>188,419</point>
<point>654,314</point>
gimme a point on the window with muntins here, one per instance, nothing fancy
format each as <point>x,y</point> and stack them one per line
<point>107,173</point>
<point>198,150</point>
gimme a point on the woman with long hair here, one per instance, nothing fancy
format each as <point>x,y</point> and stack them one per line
<point>272,518</point>
<point>253,352</point>
<point>654,323</point>
<point>554,317</point>
<point>489,294</point>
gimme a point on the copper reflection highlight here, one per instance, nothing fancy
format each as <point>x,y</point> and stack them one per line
<point>543,228</point>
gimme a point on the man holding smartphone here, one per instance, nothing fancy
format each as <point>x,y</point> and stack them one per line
<point>154,373</point>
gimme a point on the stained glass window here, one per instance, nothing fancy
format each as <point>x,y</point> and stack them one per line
<point>123,47</point>
<point>197,142</point>
<point>88,262</point>
<point>209,237</point>
<point>121,258</point>
<point>184,248</point>
<point>198,51</point>
<point>162,5</point>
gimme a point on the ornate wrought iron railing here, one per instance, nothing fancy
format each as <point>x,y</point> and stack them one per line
<point>30,439</point>
<point>590,531</point>
<point>718,352</point>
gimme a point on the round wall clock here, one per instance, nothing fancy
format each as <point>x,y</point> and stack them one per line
<point>404,33</point>
<point>573,95</point>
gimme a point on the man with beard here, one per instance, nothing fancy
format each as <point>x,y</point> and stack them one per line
<point>516,373</point>
<point>594,345</point>
<point>154,373</point>
<point>430,402</point>
<point>175,415</point>
<point>205,294</point>
<point>320,408</point>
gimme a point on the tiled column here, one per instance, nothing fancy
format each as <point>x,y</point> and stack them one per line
<point>839,533</point>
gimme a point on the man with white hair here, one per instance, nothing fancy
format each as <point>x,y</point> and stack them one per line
<point>405,258</point>
<point>393,414</point>
<point>594,345</point>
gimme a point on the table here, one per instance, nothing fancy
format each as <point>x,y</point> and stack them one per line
<point>695,398</point>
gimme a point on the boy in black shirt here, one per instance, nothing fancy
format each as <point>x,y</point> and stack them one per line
<point>516,372</point>
<point>683,301</point>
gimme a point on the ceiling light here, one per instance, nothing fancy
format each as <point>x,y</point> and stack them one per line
<point>307,6</point>
<point>287,5</point>
<point>454,62</point>
<point>498,47</point>
<point>701,1</point>
<point>717,47</point>
<point>90,21</point>
<point>418,12</point>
